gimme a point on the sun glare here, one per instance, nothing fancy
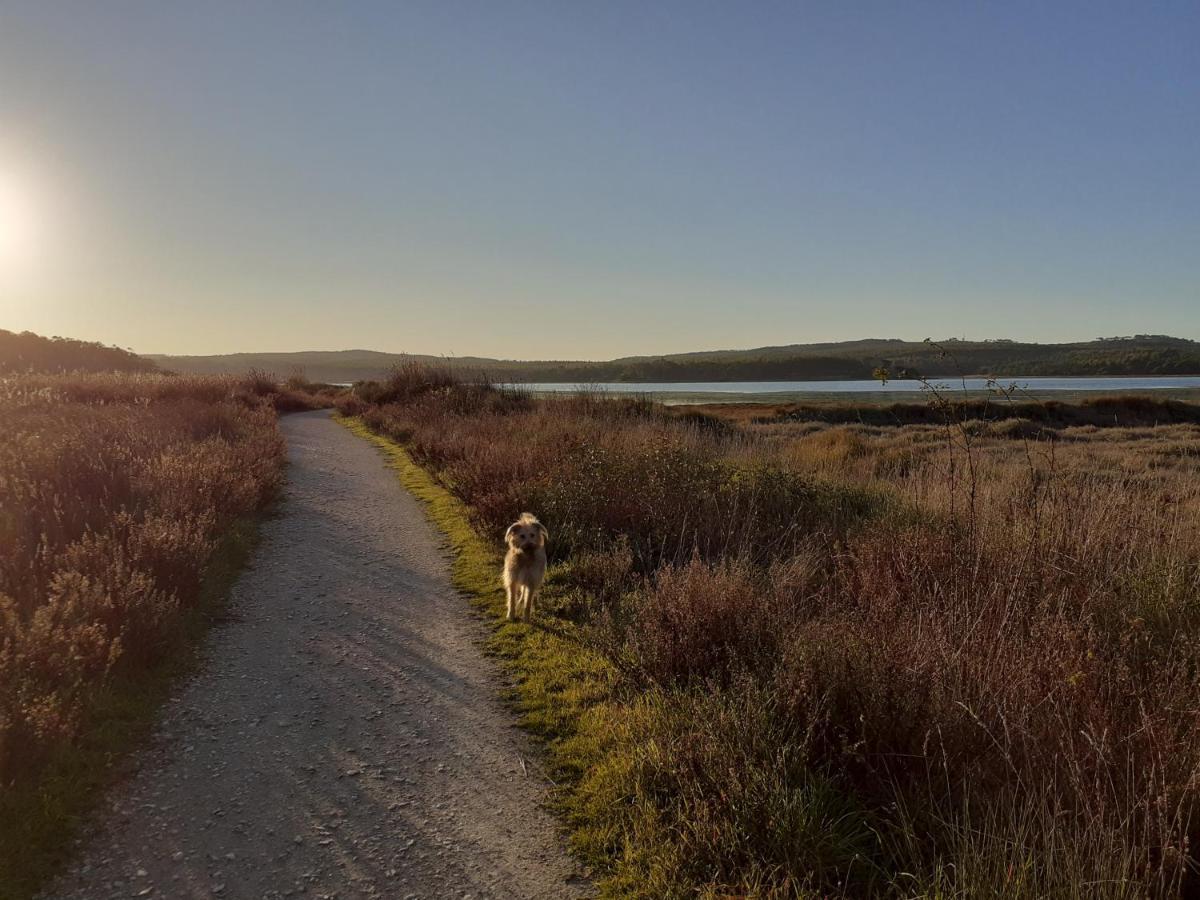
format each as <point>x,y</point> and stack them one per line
<point>20,223</point>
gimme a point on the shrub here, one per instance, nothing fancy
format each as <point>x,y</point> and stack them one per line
<point>295,394</point>
<point>113,492</point>
<point>703,623</point>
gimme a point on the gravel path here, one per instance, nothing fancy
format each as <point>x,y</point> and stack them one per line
<point>343,738</point>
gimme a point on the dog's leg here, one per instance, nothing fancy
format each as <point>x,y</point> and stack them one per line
<point>526,601</point>
<point>532,611</point>
<point>510,606</point>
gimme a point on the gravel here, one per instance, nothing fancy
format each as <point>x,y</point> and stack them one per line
<point>344,737</point>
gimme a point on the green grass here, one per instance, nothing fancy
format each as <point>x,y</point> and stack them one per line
<point>38,821</point>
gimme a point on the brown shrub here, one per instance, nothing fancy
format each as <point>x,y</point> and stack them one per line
<point>113,492</point>
<point>699,622</point>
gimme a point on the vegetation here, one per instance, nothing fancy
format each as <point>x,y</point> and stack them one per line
<point>1102,412</point>
<point>27,353</point>
<point>1137,355</point>
<point>294,394</point>
<point>126,506</point>
<point>793,658</point>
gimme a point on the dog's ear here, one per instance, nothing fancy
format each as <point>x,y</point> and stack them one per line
<point>508,534</point>
<point>545,533</point>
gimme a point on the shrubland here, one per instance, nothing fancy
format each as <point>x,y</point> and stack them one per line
<point>951,659</point>
<point>122,497</point>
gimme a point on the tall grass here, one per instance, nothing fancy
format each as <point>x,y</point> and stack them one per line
<point>114,491</point>
<point>941,660</point>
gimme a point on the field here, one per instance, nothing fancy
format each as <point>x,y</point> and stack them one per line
<point>953,657</point>
<point>940,649</point>
<point>126,502</point>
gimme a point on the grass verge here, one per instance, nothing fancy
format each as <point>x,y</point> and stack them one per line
<point>38,821</point>
<point>562,690</point>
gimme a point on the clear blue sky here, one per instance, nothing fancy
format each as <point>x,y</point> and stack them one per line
<point>580,180</point>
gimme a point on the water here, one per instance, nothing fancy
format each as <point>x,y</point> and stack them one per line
<point>774,390</point>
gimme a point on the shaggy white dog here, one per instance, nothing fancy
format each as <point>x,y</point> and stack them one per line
<point>524,565</point>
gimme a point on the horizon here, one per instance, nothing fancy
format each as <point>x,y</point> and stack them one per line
<point>526,181</point>
<point>965,340</point>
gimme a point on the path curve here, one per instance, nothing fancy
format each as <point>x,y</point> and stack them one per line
<point>344,737</point>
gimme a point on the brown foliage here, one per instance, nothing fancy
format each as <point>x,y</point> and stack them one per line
<point>113,493</point>
<point>985,641</point>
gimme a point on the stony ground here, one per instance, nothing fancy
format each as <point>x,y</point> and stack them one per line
<point>344,737</point>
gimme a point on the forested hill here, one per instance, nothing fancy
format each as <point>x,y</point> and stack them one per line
<point>29,352</point>
<point>1139,355</point>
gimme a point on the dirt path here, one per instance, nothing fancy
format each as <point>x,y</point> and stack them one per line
<point>344,738</point>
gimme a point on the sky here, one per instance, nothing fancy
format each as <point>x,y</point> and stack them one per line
<point>591,180</point>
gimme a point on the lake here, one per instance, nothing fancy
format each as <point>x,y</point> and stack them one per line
<point>744,391</point>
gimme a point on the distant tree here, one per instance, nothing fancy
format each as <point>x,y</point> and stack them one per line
<point>29,352</point>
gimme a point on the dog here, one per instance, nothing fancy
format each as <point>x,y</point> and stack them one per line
<point>524,565</point>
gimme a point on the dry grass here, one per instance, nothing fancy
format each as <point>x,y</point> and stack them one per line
<point>293,394</point>
<point>949,659</point>
<point>114,491</point>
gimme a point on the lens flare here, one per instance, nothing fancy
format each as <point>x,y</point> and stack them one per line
<point>20,223</point>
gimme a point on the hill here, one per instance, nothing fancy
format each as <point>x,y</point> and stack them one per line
<point>28,352</point>
<point>1137,355</point>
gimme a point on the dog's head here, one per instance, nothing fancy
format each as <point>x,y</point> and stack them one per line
<point>526,534</point>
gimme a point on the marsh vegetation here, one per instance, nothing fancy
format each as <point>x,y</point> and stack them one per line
<point>959,657</point>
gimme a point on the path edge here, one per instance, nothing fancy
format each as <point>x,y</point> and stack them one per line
<point>561,691</point>
<point>44,822</point>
